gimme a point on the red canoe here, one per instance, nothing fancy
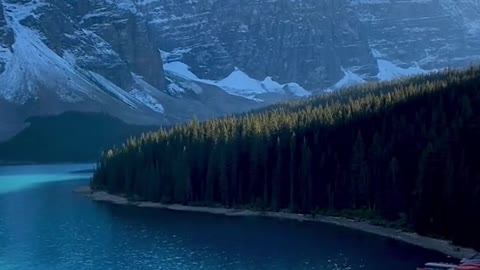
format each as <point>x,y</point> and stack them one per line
<point>468,267</point>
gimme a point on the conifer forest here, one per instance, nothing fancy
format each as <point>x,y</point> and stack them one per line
<point>406,150</point>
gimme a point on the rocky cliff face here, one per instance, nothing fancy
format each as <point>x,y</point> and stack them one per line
<point>163,61</point>
<point>304,41</point>
<point>430,34</point>
<point>317,42</point>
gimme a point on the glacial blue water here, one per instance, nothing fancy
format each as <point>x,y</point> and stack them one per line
<point>45,226</point>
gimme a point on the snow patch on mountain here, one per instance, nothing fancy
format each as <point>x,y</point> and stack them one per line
<point>182,70</point>
<point>349,79</point>
<point>296,89</point>
<point>148,100</point>
<point>241,84</point>
<point>113,89</point>
<point>175,55</point>
<point>174,89</point>
<point>237,83</point>
<point>137,97</point>
<point>389,71</point>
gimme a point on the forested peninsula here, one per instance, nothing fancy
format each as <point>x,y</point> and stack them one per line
<point>405,151</point>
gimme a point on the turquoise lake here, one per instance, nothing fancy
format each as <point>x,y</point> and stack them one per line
<point>45,226</point>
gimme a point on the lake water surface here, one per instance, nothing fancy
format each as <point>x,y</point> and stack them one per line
<point>44,226</point>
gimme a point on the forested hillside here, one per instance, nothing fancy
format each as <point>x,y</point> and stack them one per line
<point>403,150</point>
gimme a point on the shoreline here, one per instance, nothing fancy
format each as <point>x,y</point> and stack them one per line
<point>442,246</point>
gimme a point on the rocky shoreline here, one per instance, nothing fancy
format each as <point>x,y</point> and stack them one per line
<point>438,245</point>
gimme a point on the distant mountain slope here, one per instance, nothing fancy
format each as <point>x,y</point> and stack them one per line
<point>69,137</point>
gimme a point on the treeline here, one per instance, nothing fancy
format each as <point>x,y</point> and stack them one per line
<point>403,150</point>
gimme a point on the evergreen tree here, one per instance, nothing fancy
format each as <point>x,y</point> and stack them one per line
<point>292,170</point>
<point>277,176</point>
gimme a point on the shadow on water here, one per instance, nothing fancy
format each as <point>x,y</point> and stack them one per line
<point>19,178</point>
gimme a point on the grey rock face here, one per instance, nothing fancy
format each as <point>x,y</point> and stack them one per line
<point>104,37</point>
<point>304,41</point>
<point>6,38</point>
<point>126,32</point>
<point>433,34</point>
<point>311,41</point>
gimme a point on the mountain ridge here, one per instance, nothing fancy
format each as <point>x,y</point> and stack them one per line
<point>155,62</point>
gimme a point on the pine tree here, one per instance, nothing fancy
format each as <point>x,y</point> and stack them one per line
<point>358,172</point>
<point>292,170</point>
<point>277,176</point>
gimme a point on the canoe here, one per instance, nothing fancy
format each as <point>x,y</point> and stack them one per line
<point>468,267</point>
<point>474,259</point>
<point>472,263</point>
<point>431,268</point>
<point>440,266</point>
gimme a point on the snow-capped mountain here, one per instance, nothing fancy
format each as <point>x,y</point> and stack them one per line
<point>165,61</point>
